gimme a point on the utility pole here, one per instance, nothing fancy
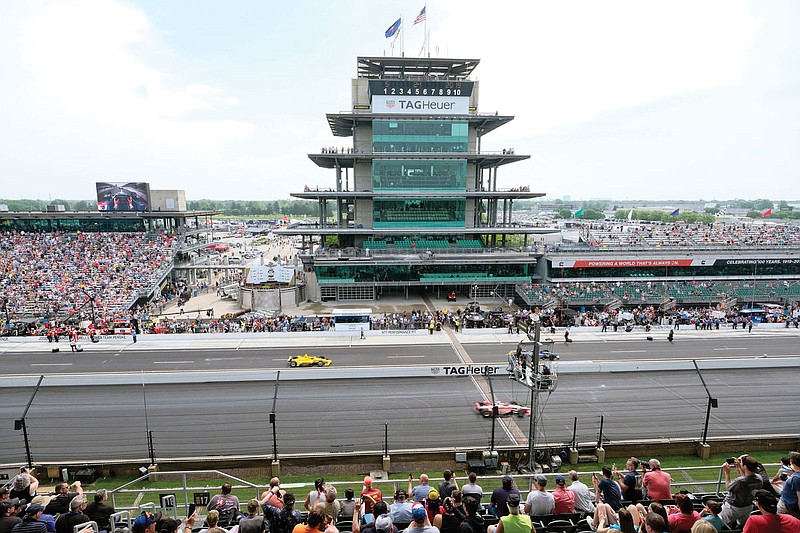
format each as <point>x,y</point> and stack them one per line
<point>20,424</point>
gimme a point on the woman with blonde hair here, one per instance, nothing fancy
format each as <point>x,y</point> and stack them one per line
<point>703,526</point>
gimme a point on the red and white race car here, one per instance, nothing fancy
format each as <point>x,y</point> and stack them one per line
<point>503,409</point>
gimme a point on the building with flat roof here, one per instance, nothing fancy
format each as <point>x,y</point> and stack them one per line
<point>416,202</point>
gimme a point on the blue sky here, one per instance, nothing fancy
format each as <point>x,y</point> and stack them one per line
<point>613,99</point>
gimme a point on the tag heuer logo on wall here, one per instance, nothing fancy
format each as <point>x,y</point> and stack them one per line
<point>390,104</point>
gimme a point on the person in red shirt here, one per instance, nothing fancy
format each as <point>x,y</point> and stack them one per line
<point>682,515</point>
<point>565,499</point>
<point>657,482</point>
<point>373,493</point>
<point>769,521</point>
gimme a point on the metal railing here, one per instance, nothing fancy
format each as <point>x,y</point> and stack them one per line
<point>695,479</point>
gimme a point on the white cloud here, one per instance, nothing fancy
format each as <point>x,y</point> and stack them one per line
<point>563,63</point>
<point>81,61</point>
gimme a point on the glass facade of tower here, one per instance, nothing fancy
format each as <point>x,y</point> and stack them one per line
<point>418,136</point>
<point>417,174</point>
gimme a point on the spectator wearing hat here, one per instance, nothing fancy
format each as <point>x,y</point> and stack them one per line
<point>332,507</point>
<point>145,523</point>
<point>24,485</point>
<point>401,508</point>
<point>472,489</point>
<point>433,504</point>
<point>539,501</point>
<point>370,494</point>
<point>282,520</point>
<point>564,499</point>
<point>167,525</point>
<point>420,522</point>
<point>8,516</point>
<point>449,484</point>
<point>251,522</point>
<point>657,482</point>
<point>99,511</point>
<point>59,504</point>
<point>226,504</point>
<point>382,523</point>
<point>473,522</point>
<point>420,492</point>
<point>30,523</point>
<point>608,489</point>
<point>75,516</point>
<point>584,500</point>
<point>514,521</point>
<point>500,496</point>
<point>738,502</point>
<point>790,492</point>
<point>48,519</point>
<point>769,521</point>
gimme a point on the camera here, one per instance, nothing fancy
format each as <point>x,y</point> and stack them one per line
<point>730,460</point>
<point>784,477</point>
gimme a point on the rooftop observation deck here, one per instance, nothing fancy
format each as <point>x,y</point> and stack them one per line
<point>421,68</point>
<point>483,159</point>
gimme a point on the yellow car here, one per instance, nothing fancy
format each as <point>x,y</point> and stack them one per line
<point>308,360</point>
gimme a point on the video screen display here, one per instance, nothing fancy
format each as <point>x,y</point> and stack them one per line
<point>121,196</point>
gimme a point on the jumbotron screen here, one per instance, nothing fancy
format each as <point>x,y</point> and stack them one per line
<point>123,196</point>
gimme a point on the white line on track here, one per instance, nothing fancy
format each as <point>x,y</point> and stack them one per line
<point>51,364</point>
<point>628,351</point>
<point>172,362</point>
<point>210,359</point>
<point>726,348</point>
<point>404,356</point>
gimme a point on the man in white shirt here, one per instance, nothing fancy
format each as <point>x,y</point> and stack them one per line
<point>584,501</point>
<point>540,502</point>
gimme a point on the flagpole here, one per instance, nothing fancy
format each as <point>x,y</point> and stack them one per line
<point>402,51</point>
<point>425,7</point>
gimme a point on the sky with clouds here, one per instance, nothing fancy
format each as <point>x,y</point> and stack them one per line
<point>613,99</point>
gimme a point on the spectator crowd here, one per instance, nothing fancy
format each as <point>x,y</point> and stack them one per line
<point>638,498</point>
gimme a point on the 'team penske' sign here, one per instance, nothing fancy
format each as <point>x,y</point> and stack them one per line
<point>420,105</point>
<point>466,370</point>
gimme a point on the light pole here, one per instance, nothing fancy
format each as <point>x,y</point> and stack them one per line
<point>272,419</point>
<point>712,402</point>
<point>20,423</point>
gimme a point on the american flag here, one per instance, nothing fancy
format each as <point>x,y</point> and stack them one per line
<point>420,17</point>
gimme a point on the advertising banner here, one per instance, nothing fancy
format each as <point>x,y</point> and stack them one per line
<point>420,105</point>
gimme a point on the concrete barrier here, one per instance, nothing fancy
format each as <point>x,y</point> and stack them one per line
<point>432,372</point>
